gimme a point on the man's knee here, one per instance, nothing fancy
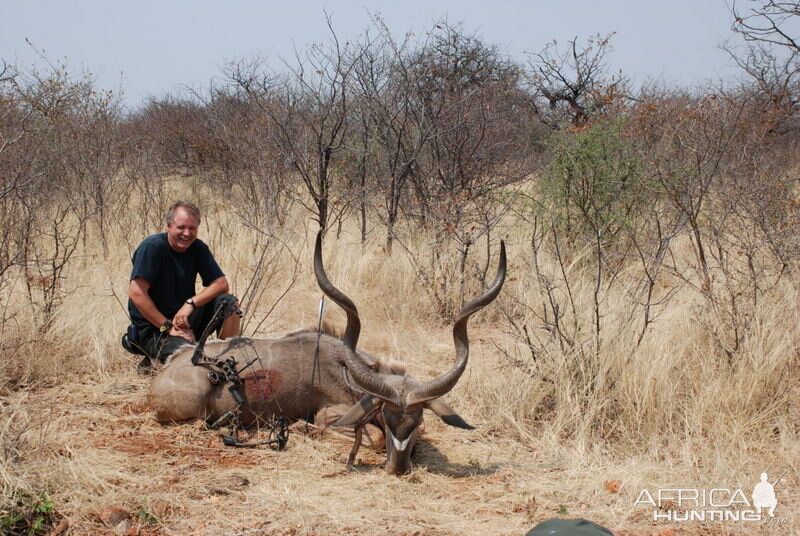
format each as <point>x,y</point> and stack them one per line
<point>221,315</point>
<point>231,326</point>
<point>229,304</point>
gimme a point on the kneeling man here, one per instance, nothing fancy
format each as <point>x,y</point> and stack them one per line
<point>165,311</point>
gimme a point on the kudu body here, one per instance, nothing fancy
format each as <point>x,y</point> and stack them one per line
<point>282,380</point>
<point>344,384</point>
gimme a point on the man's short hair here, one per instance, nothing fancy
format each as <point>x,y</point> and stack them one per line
<point>191,208</point>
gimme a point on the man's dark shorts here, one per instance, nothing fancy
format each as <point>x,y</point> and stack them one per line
<point>156,346</point>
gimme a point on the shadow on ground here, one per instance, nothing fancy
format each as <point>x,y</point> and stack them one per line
<point>434,461</point>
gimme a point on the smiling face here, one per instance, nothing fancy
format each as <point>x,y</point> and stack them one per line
<point>182,230</point>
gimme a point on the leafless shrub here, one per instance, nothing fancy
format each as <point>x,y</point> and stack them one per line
<point>572,85</point>
<point>706,159</point>
<point>771,55</point>
<point>68,164</point>
<point>308,109</point>
<point>438,119</point>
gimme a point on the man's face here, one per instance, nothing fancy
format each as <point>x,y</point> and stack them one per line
<point>182,231</point>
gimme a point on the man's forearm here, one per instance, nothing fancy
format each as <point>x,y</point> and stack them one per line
<point>144,304</point>
<point>217,287</point>
<point>207,294</point>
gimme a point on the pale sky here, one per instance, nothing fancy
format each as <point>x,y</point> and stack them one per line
<point>149,47</point>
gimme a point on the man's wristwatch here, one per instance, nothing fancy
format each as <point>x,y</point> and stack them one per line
<point>165,326</point>
<point>190,301</point>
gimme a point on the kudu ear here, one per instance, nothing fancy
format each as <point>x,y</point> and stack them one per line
<point>359,413</point>
<point>447,414</point>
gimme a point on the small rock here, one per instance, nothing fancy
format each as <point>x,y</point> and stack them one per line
<point>123,526</point>
<point>113,516</point>
<point>238,481</point>
<point>234,481</point>
<point>117,389</point>
<point>224,485</point>
<point>60,528</point>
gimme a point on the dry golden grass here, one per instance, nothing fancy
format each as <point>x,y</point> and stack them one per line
<point>74,420</point>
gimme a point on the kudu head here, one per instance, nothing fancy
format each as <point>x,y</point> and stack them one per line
<point>401,399</point>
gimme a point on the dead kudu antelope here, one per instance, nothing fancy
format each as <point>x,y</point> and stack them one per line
<point>319,377</point>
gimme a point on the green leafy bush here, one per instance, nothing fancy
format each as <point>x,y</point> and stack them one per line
<point>594,182</point>
<point>30,514</point>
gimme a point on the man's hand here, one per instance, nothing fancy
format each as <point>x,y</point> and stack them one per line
<point>186,333</point>
<point>182,316</point>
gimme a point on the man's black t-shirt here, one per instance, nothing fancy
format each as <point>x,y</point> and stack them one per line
<point>172,275</point>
